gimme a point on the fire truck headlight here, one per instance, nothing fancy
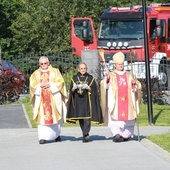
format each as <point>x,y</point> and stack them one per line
<point>120,44</point>
<point>114,44</point>
<point>125,44</point>
<point>109,44</point>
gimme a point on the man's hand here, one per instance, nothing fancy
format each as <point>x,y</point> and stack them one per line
<point>108,79</point>
<point>74,86</point>
<point>45,84</point>
<point>133,82</point>
<point>134,86</point>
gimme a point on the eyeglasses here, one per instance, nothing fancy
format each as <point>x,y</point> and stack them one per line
<point>44,63</point>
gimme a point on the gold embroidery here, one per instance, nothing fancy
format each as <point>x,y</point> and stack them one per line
<point>123,98</point>
<point>44,77</point>
<point>46,99</point>
<point>123,114</point>
<point>47,116</point>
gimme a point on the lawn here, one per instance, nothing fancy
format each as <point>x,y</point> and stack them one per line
<point>161,117</point>
<point>161,140</point>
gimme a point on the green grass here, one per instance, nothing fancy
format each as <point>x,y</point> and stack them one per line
<point>161,117</point>
<point>161,140</point>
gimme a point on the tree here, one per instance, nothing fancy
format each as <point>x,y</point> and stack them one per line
<point>8,13</point>
<point>41,25</point>
<point>46,27</point>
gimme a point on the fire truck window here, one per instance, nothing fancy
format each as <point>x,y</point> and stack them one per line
<point>152,29</point>
<point>104,27</point>
<point>114,29</point>
<point>168,27</point>
<point>121,29</point>
<point>78,29</point>
<point>163,28</point>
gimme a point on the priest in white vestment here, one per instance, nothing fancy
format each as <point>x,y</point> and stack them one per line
<point>120,99</point>
<point>48,98</point>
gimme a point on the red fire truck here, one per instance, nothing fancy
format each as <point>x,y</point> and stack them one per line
<point>121,29</point>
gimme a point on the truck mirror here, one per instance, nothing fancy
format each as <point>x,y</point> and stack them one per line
<point>158,22</point>
<point>85,34</point>
<point>159,28</point>
<point>85,24</point>
<point>159,32</point>
<point>85,31</point>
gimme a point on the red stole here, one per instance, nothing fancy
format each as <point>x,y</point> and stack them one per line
<point>46,99</point>
<point>123,101</point>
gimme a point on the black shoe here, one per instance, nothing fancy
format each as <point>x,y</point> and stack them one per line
<point>86,138</point>
<point>42,141</point>
<point>116,138</point>
<point>126,139</point>
<point>58,139</point>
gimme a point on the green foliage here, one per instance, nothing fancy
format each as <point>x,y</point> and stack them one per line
<point>160,115</point>
<point>9,11</point>
<point>40,25</point>
<point>68,76</point>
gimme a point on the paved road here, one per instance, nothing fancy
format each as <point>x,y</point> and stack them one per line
<point>20,150</point>
<point>13,116</point>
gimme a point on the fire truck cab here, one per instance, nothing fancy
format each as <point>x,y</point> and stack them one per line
<point>122,29</point>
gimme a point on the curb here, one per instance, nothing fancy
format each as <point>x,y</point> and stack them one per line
<point>156,149</point>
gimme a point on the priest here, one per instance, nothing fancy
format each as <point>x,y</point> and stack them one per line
<point>120,99</point>
<point>48,98</point>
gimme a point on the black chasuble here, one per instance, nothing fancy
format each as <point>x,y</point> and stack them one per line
<point>83,104</point>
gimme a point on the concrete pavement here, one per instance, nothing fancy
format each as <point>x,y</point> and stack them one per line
<point>20,150</point>
<point>13,116</point>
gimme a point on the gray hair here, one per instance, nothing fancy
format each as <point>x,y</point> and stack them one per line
<point>43,57</point>
<point>82,63</point>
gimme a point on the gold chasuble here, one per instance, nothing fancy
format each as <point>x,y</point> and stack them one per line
<point>46,99</point>
<point>49,104</point>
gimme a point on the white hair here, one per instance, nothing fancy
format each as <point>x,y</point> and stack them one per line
<point>43,57</point>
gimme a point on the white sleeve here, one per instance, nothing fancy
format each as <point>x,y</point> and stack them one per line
<point>54,88</point>
<point>38,90</point>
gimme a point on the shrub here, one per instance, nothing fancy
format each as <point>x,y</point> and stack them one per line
<point>10,86</point>
<point>158,95</point>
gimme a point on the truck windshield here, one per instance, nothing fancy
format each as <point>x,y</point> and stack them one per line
<point>121,29</point>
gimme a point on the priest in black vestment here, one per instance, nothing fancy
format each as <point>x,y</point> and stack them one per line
<point>84,104</point>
